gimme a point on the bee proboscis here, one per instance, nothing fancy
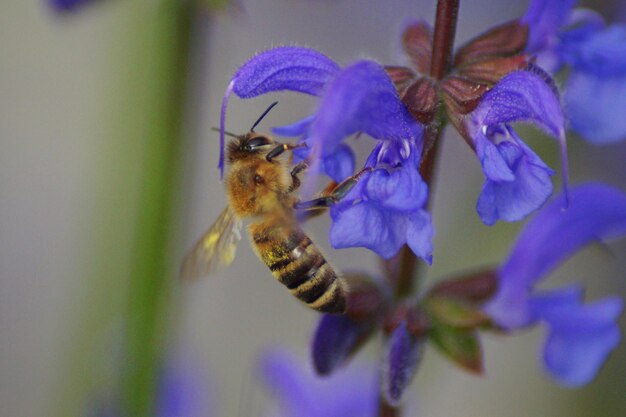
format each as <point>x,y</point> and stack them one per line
<point>260,187</point>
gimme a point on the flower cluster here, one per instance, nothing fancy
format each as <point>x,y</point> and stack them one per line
<point>452,312</point>
<point>497,79</point>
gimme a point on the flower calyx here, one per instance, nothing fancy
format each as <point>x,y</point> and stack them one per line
<point>477,66</point>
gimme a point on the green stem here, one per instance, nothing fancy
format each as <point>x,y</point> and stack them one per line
<point>164,75</point>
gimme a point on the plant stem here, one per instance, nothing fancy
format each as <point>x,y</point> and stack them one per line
<point>443,39</point>
<point>165,73</point>
<point>402,269</point>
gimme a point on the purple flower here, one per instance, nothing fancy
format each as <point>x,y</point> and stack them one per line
<point>579,336</point>
<point>183,391</point>
<point>388,204</point>
<point>594,53</point>
<point>67,5</point>
<point>517,180</point>
<point>299,393</point>
<point>385,209</point>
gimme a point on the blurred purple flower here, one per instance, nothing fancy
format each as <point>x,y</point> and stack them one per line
<point>384,210</point>
<point>300,393</point>
<point>183,391</point>
<point>517,180</point>
<point>579,336</point>
<point>67,5</point>
<point>594,53</point>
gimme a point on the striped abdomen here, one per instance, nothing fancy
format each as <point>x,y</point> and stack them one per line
<point>297,263</point>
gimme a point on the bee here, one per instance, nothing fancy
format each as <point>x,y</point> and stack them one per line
<point>261,188</point>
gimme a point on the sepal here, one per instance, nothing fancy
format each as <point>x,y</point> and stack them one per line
<point>455,313</point>
<point>402,356</point>
<point>462,346</point>
<point>476,287</point>
<point>421,99</point>
<point>506,39</point>
<point>337,337</point>
<point>417,41</point>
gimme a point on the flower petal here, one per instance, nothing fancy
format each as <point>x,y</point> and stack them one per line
<point>544,18</point>
<point>290,68</point>
<point>366,225</point>
<point>597,81</point>
<point>336,338</point>
<point>526,192</point>
<point>67,5</point>
<point>350,393</point>
<point>399,189</point>
<point>402,356</point>
<point>522,96</point>
<point>361,98</point>
<point>601,52</point>
<point>340,164</point>
<point>280,371</point>
<point>596,212</point>
<point>380,228</point>
<point>420,234</point>
<point>296,129</point>
<point>580,337</point>
<point>595,106</point>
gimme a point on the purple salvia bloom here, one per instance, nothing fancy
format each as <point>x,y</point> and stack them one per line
<point>596,57</point>
<point>517,180</point>
<point>400,363</point>
<point>289,68</point>
<point>362,98</point>
<point>184,390</point>
<point>67,5</point>
<point>596,212</point>
<point>302,394</point>
<point>544,18</point>
<point>595,91</point>
<point>385,210</point>
<point>580,337</point>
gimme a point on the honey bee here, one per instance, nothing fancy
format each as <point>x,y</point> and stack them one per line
<point>260,188</point>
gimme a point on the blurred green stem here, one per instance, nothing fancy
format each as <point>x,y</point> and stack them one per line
<point>164,78</point>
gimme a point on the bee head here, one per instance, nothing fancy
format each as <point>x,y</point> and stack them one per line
<point>240,146</point>
<point>247,145</point>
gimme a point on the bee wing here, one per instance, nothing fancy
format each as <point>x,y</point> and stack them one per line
<point>216,248</point>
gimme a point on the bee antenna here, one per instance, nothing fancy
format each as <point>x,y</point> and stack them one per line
<point>232,135</point>
<point>271,106</point>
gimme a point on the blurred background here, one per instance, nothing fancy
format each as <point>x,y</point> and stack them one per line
<point>106,180</point>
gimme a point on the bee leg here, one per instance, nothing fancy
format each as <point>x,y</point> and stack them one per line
<point>297,169</point>
<point>280,148</point>
<point>335,195</point>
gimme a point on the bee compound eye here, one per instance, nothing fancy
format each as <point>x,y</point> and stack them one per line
<point>258,179</point>
<point>257,142</point>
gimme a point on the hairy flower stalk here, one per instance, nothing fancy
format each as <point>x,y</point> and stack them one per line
<point>404,277</point>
